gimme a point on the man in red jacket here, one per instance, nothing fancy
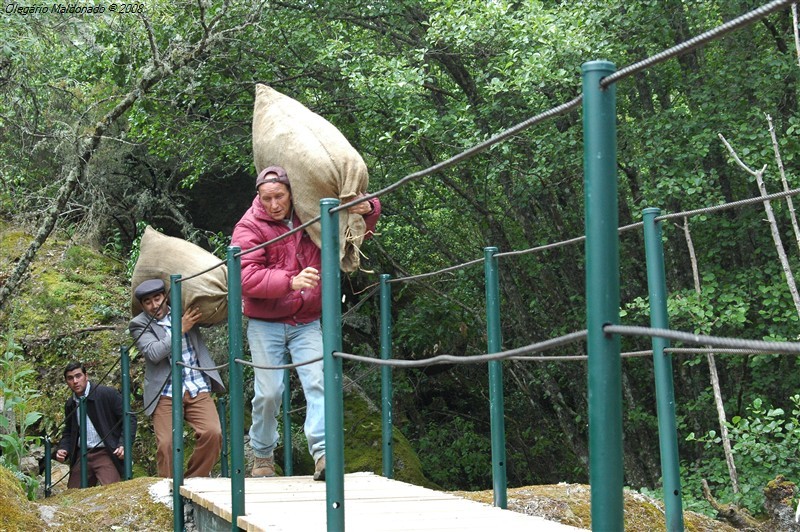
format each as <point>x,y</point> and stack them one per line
<point>283,301</point>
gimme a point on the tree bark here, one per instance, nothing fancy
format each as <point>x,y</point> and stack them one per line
<point>773,225</point>
<point>76,169</point>
<point>782,171</point>
<point>712,370</point>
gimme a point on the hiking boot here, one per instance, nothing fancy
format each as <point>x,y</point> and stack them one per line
<point>319,469</point>
<point>263,467</point>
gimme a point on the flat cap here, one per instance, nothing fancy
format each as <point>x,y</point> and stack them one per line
<point>148,288</point>
<point>276,175</point>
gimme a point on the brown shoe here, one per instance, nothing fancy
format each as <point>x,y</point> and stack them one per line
<point>263,467</point>
<point>319,469</point>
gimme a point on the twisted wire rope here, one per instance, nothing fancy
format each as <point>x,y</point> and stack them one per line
<point>158,395</point>
<point>695,42</point>
<point>621,229</point>
<point>792,348</point>
<point>212,368</point>
<point>279,237</point>
<point>282,366</point>
<point>686,46</point>
<point>649,352</point>
<point>470,152</point>
<point>469,359</point>
<point>674,51</point>
<point>431,274</point>
<point>786,347</point>
<point>346,386</point>
<point>705,350</point>
<point>727,346</point>
<point>733,204</point>
<point>561,358</point>
<point>361,302</point>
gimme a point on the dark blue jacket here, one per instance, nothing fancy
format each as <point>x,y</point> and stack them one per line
<point>104,409</point>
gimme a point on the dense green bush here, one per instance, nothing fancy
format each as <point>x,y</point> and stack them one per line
<point>765,443</point>
<point>17,411</point>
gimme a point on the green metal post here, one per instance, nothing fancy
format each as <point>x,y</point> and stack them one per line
<point>332,366</point>
<point>662,367</point>
<point>496,401</point>
<point>602,297</point>
<point>176,313</point>
<point>84,449</point>
<point>386,377</point>
<point>222,412</point>
<point>48,470</point>
<point>288,469</point>
<point>236,384</point>
<point>127,437</point>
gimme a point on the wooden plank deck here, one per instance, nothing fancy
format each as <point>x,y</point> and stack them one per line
<point>372,504</point>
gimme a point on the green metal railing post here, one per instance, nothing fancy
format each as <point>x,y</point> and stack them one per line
<point>662,367</point>
<point>48,470</point>
<point>83,447</point>
<point>288,469</point>
<point>332,366</point>
<point>496,401</point>
<point>602,297</point>
<point>127,437</point>
<point>386,377</point>
<point>235,383</point>
<point>176,314</point>
<point>222,412</point>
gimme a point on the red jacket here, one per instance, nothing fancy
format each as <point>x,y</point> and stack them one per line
<point>267,273</point>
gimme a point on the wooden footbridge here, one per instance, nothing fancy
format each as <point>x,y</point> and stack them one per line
<point>374,504</point>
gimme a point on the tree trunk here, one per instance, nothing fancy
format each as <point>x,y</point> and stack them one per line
<point>712,369</point>
<point>76,169</point>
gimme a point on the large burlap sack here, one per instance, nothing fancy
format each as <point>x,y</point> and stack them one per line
<point>161,256</point>
<point>319,161</point>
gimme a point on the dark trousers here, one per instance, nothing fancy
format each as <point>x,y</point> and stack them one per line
<point>99,468</point>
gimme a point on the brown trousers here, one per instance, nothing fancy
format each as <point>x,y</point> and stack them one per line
<point>201,414</point>
<point>99,469</point>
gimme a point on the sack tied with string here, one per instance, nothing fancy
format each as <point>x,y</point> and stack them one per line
<point>319,161</point>
<point>161,256</point>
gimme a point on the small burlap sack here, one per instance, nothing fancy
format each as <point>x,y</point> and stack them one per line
<point>161,256</point>
<point>319,161</point>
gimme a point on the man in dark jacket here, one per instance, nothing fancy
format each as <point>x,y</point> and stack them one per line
<point>104,418</point>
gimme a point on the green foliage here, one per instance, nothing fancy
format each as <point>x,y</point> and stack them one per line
<point>454,455</point>
<point>219,243</point>
<point>133,257</point>
<point>411,84</point>
<point>18,414</point>
<point>764,442</point>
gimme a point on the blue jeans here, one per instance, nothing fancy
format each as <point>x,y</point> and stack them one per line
<point>275,344</point>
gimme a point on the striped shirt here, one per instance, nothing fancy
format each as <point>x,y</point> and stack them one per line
<point>93,439</point>
<point>194,381</point>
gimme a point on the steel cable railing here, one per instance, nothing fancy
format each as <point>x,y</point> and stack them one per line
<point>701,339</point>
<point>471,359</point>
<point>689,45</point>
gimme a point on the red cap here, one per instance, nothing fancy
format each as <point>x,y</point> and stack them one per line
<point>272,174</point>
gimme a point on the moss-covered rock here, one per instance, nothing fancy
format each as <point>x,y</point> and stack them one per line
<point>16,511</point>
<point>570,504</point>
<point>71,306</point>
<point>122,506</point>
<point>363,441</point>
